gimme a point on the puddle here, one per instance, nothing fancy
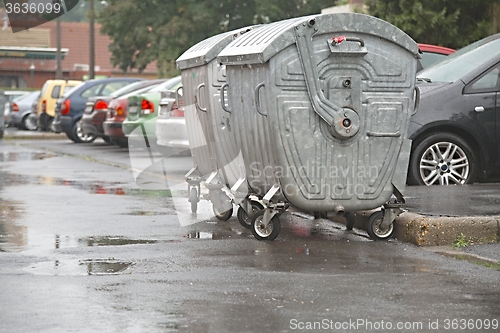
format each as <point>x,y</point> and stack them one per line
<point>25,156</point>
<point>15,238</point>
<point>79,267</point>
<point>200,235</point>
<point>93,187</point>
<point>114,241</point>
<point>145,213</point>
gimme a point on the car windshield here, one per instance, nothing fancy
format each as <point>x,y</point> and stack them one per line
<point>70,91</point>
<point>126,89</point>
<point>167,85</point>
<point>462,62</point>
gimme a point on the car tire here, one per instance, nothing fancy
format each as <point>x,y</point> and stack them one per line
<point>78,136</point>
<point>28,124</point>
<point>442,159</point>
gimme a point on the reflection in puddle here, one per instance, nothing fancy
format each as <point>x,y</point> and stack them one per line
<point>93,187</point>
<point>79,267</point>
<point>114,241</point>
<point>200,235</point>
<point>25,156</point>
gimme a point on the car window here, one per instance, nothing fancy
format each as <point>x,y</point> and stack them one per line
<point>167,85</point>
<point>67,88</point>
<point>429,58</point>
<point>488,82</point>
<point>55,92</point>
<point>68,92</point>
<point>92,91</point>
<point>113,86</point>
<point>462,62</point>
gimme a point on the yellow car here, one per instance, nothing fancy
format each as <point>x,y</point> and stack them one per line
<point>51,91</point>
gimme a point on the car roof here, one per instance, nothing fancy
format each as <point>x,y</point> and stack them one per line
<point>435,49</point>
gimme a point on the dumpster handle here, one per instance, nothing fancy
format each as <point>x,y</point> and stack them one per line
<point>257,99</point>
<point>417,101</point>
<point>197,98</point>
<point>345,122</point>
<point>340,39</point>
<point>177,98</point>
<point>223,98</point>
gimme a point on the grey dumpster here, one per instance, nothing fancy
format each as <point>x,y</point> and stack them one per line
<point>212,146</point>
<point>322,105</point>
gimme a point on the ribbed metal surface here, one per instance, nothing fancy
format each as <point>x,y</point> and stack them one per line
<point>296,145</point>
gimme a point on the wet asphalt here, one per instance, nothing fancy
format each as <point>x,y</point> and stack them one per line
<point>84,248</point>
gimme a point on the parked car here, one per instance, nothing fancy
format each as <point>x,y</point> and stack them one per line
<point>117,112</point>
<point>70,107</point>
<point>456,130</point>
<point>10,95</point>
<point>96,107</point>
<point>52,90</point>
<point>143,109</point>
<point>171,130</point>
<point>21,112</point>
<point>432,54</point>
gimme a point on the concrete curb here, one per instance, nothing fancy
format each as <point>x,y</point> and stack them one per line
<point>436,230</point>
<point>444,230</point>
<point>33,135</point>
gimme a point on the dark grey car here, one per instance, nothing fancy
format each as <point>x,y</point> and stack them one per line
<point>456,130</point>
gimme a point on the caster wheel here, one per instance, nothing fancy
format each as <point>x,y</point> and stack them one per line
<point>223,216</point>
<point>193,198</point>
<point>349,217</point>
<point>243,217</point>
<point>261,232</point>
<point>374,230</point>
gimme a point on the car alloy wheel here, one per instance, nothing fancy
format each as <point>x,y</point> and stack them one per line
<point>442,159</point>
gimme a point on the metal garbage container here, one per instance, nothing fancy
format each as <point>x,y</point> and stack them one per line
<point>322,105</point>
<point>211,142</point>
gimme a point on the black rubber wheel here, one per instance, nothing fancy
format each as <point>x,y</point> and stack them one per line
<point>243,216</point>
<point>442,159</point>
<point>78,136</point>
<point>260,232</point>
<point>70,136</point>
<point>373,227</point>
<point>193,198</point>
<point>223,216</point>
<point>349,218</point>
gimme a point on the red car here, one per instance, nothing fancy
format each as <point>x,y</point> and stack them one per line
<point>116,114</point>
<point>432,54</point>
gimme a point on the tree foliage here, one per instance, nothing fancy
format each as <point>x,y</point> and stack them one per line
<point>451,23</point>
<point>149,30</point>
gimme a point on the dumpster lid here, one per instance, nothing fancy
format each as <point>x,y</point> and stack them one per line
<point>207,50</point>
<point>262,43</point>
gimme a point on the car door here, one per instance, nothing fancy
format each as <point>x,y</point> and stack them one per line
<point>482,98</point>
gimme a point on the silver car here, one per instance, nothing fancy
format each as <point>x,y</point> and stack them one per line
<point>171,131</point>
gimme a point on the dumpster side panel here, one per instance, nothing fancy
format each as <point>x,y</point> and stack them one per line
<point>253,136</point>
<point>318,170</point>
<point>226,147</point>
<point>200,138</point>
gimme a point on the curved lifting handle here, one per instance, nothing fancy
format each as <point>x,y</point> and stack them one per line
<point>223,98</point>
<point>417,101</point>
<point>177,98</point>
<point>197,97</point>
<point>257,99</point>
<point>344,122</point>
